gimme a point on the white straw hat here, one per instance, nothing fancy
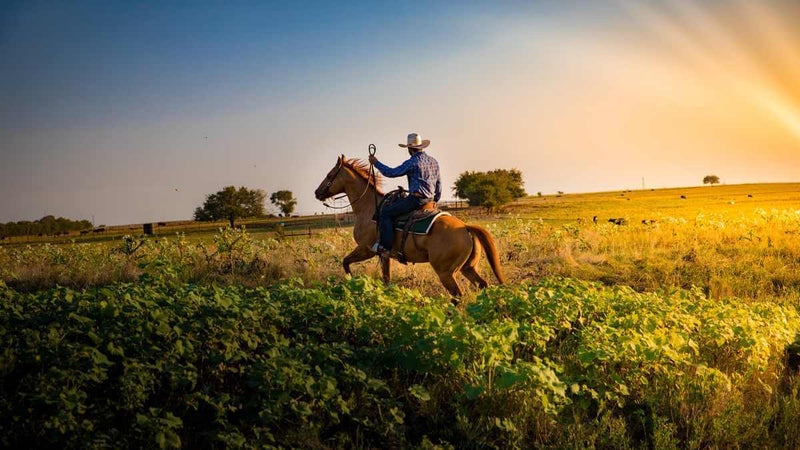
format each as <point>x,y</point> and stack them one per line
<point>414,141</point>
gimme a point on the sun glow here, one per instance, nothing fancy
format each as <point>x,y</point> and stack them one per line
<point>748,51</point>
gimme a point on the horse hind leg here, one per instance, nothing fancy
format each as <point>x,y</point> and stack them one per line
<point>449,247</point>
<point>469,269</point>
<point>449,282</point>
<point>473,276</point>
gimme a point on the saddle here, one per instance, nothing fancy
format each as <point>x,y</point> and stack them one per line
<point>419,221</point>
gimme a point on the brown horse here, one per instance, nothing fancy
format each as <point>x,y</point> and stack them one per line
<point>450,246</point>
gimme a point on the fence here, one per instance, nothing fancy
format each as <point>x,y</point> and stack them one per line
<point>453,204</point>
<point>281,232</point>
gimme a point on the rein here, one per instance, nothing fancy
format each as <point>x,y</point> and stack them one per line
<point>372,150</point>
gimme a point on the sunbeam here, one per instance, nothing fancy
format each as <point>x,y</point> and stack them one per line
<point>720,53</point>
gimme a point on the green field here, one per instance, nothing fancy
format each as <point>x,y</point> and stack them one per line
<point>678,332</point>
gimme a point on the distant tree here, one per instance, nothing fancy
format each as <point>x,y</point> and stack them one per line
<point>490,189</point>
<point>231,204</point>
<point>47,225</point>
<point>285,201</point>
<point>539,194</point>
<point>711,179</point>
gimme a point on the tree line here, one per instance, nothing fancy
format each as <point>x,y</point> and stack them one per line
<point>47,225</point>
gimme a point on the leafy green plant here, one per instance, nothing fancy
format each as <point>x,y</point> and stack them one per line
<point>354,363</point>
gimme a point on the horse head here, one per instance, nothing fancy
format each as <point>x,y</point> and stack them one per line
<point>332,184</point>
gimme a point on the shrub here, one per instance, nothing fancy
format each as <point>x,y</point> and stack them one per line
<point>354,363</point>
<point>490,189</point>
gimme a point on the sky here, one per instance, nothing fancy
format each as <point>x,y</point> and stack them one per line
<point>130,112</point>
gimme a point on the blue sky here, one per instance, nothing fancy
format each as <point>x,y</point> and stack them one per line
<point>134,111</point>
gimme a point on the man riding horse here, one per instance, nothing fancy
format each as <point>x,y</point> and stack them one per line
<point>424,186</point>
<point>448,244</point>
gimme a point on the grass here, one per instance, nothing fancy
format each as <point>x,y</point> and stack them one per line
<point>749,249</point>
<point>708,267</point>
<point>197,230</point>
<point>637,205</point>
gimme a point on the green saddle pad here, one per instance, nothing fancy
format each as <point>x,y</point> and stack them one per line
<point>421,227</point>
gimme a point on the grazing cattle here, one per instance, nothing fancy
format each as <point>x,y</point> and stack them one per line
<point>619,221</point>
<point>648,221</point>
<point>84,232</point>
<point>749,195</point>
<point>594,219</point>
<point>99,230</point>
<point>683,197</point>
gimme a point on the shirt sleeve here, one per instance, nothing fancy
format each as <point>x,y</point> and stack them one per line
<point>438,193</point>
<point>391,172</point>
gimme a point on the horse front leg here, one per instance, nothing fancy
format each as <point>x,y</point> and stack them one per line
<point>386,270</point>
<point>357,255</point>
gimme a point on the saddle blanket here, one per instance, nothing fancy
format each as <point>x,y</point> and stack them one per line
<point>421,227</point>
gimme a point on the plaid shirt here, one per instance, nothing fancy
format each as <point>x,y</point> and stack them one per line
<point>422,172</point>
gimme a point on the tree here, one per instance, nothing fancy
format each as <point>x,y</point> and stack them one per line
<point>284,201</point>
<point>711,179</point>
<point>49,225</point>
<point>490,189</point>
<point>463,183</point>
<point>231,204</point>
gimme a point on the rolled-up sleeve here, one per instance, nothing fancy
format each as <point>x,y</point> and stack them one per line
<point>393,172</point>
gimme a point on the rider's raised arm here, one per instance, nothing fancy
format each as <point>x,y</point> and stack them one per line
<point>393,172</point>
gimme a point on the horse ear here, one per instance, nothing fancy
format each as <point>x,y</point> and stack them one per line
<point>341,159</point>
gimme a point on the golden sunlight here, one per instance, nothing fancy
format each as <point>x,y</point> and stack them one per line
<point>748,50</point>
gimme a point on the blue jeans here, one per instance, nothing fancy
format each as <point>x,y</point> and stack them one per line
<point>388,213</point>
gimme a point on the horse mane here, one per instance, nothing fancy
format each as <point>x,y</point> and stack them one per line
<point>361,168</point>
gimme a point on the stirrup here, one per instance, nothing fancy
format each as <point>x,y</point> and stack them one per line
<point>381,251</point>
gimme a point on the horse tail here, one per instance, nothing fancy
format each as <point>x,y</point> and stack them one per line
<point>491,250</point>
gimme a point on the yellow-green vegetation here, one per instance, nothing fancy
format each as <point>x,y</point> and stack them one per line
<point>636,205</point>
<point>681,331</point>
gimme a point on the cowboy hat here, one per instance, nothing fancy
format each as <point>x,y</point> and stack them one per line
<point>414,141</point>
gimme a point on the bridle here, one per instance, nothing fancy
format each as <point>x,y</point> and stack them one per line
<point>330,178</point>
